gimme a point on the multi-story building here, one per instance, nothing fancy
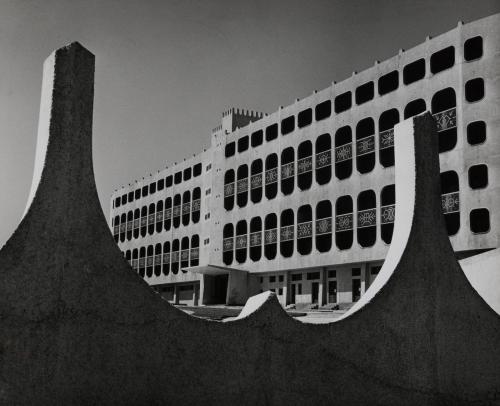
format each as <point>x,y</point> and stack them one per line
<point>301,201</point>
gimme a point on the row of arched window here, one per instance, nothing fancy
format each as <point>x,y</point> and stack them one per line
<point>319,227</point>
<point>412,72</point>
<point>182,209</point>
<point>309,226</point>
<point>164,258</point>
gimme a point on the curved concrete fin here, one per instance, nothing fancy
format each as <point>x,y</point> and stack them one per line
<point>62,258</point>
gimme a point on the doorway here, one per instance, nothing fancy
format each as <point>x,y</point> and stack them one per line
<point>356,289</point>
<point>332,292</point>
<point>314,292</point>
<point>293,293</point>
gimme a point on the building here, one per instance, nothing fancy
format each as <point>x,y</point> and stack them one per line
<point>301,201</point>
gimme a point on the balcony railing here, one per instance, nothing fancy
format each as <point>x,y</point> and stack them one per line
<point>227,244</point>
<point>450,202</point>
<point>365,145</point>
<point>446,119</point>
<point>229,189</point>
<point>286,233</point>
<point>367,218</point>
<point>256,239</point>
<point>304,229</point>
<point>256,181</point>
<point>271,176</point>
<point>324,226</point>
<point>304,165</point>
<point>344,222</point>
<point>343,152</point>
<point>386,139</point>
<point>287,170</point>
<point>241,241</point>
<point>387,214</point>
<point>323,159</point>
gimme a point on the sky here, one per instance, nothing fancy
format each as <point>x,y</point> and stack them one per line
<point>165,70</point>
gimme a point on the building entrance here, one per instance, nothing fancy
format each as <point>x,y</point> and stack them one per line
<point>332,292</point>
<point>314,292</point>
<point>220,289</point>
<point>356,290</point>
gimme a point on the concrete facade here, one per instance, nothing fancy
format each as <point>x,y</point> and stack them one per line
<point>456,76</point>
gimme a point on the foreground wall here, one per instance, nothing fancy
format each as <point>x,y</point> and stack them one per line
<point>77,326</point>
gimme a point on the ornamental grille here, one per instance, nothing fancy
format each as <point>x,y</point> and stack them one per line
<point>304,230</point>
<point>304,165</point>
<point>450,202</point>
<point>287,170</point>
<point>323,159</point>
<point>386,139</point>
<point>343,152</point>
<point>227,244</point>
<point>256,181</point>
<point>367,218</point>
<point>175,256</point>
<point>387,214</point>
<point>186,208</point>
<point>135,263</point>
<point>116,229</point>
<point>144,221</point>
<point>185,255</point>
<point>166,258</point>
<point>158,259</point>
<point>130,225</point>
<point>242,185</point>
<point>344,222</point>
<point>159,216</point>
<point>446,119</point>
<point>151,219</point>
<point>271,176</point>
<point>241,242</point>
<point>196,205</point>
<point>141,262</point>
<point>286,233</point>
<point>256,239</point>
<point>271,236</point>
<point>324,226</point>
<point>365,145</point>
<point>136,223</point>
<point>177,211</point>
<point>149,261</point>
<point>195,253</point>
<point>123,227</point>
<point>168,214</point>
<point>229,189</point>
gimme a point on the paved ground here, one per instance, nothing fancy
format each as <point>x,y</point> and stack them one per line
<point>227,313</point>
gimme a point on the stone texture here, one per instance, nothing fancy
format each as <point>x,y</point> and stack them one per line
<point>78,326</point>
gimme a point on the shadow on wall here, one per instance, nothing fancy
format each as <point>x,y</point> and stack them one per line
<point>78,326</point>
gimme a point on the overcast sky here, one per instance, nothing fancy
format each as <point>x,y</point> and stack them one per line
<point>165,70</point>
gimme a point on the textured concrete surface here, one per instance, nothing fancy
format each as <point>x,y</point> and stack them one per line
<point>79,327</point>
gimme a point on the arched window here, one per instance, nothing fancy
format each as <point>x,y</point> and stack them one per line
<point>158,260</point>
<point>287,233</point>
<point>367,218</point>
<point>445,113</point>
<point>343,152</point>
<point>144,221</point>
<point>344,222</point>
<point>167,219</point>
<point>287,170</point>
<point>116,228</point>
<point>186,207</point>
<point>166,257</point>
<point>414,107</point>
<point>142,261</point>
<point>137,222</point>
<point>176,213</point>
<point>242,186</point>
<point>196,206</point>
<point>159,216</point>
<point>130,224</point>
<point>195,250</point>
<point>271,177</point>
<point>304,165</point>
<point>450,201</point>
<point>229,189</point>
<point>149,261</point>
<point>256,181</point>
<point>304,230</point>
<point>271,236</point>
<point>135,259</point>
<point>255,239</point>
<point>241,241</point>
<point>387,212</point>
<point>365,145</point>
<point>175,256</point>
<point>123,226</point>
<point>184,254</point>
<point>388,119</point>
<point>228,244</point>
<point>323,159</point>
<point>324,226</point>
<point>151,218</point>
